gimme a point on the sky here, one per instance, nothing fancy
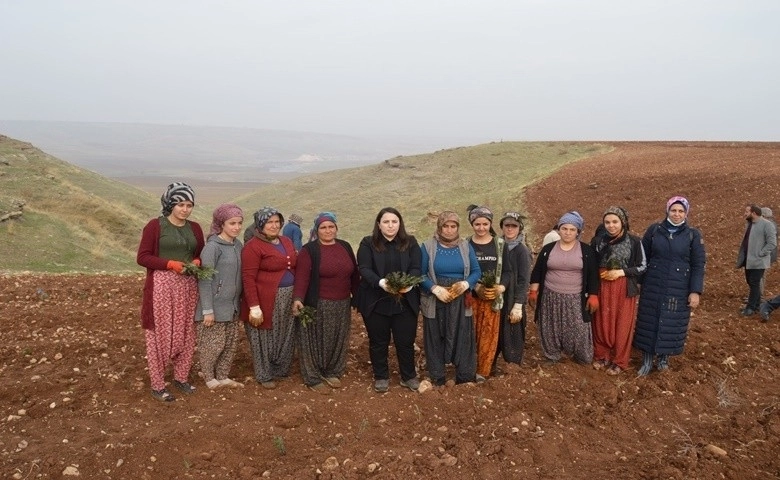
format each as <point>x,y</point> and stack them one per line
<point>473,70</point>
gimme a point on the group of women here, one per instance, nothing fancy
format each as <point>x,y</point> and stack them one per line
<point>472,296</point>
<point>586,294</point>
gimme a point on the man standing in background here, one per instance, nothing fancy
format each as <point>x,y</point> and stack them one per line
<point>754,256</point>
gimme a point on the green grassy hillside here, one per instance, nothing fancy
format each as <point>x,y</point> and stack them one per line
<point>421,186</point>
<point>77,220</point>
<point>72,219</point>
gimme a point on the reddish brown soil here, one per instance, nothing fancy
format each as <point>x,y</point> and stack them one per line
<point>75,395</point>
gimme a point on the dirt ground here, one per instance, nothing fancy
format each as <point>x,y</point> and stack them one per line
<point>75,395</point>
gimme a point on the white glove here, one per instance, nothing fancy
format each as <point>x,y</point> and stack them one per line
<point>458,288</point>
<point>442,294</point>
<point>516,314</point>
<point>383,286</point>
<point>255,315</point>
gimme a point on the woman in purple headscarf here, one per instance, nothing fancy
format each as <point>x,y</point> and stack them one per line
<point>216,315</point>
<point>671,287</point>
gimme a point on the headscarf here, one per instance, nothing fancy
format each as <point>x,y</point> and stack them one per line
<point>608,239</point>
<point>296,219</point>
<point>261,218</point>
<point>444,217</point>
<point>222,214</point>
<point>177,192</point>
<point>619,212</point>
<point>572,218</point>
<point>766,212</point>
<point>318,220</point>
<point>480,212</point>
<point>686,206</point>
<point>678,199</point>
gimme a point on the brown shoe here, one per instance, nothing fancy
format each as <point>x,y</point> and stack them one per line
<point>333,382</point>
<point>320,388</point>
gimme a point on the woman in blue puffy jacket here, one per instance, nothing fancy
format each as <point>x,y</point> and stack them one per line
<point>671,287</point>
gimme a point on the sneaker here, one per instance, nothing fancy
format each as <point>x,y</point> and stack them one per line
<point>320,388</point>
<point>213,383</point>
<point>382,385</point>
<point>184,387</point>
<point>412,384</point>
<point>269,385</point>
<point>228,382</point>
<point>332,382</point>
<point>163,395</point>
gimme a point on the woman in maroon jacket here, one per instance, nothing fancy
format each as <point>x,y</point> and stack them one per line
<point>267,271</point>
<point>169,297</point>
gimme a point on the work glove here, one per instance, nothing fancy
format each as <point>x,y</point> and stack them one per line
<point>255,316</point>
<point>442,294</point>
<point>593,303</point>
<point>532,296</point>
<point>176,266</point>
<point>458,288</point>
<point>485,293</point>
<point>383,286</point>
<point>516,314</point>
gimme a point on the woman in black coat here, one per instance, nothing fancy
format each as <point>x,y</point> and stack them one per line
<point>671,287</point>
<point>385,312</point>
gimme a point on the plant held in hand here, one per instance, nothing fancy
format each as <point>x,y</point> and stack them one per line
<point>489,279</point>
<point>307,315</point>
<point>401,282</point>
<point>198,271</point>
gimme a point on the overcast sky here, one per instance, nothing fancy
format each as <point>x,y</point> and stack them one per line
<point>476,70</point>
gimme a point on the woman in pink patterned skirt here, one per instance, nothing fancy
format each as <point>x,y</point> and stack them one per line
<point>168,243</point>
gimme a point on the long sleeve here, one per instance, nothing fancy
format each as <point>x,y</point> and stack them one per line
<point>698,260</point>
<point>148,247</point>
<point>208,258</point>
<point>475,271</point>
<point>302,274</point>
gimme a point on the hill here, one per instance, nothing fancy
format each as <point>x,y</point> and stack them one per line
<point>421,186</point>
<point>77,220</point>
<point>76,394</point>
<point>65,218</point>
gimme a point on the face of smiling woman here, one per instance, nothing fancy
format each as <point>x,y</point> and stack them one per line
<point>272,227</point>
<point>481,227</point>
<point>612,224</point>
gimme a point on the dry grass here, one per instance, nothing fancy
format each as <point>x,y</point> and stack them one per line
<point>76,220</point>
